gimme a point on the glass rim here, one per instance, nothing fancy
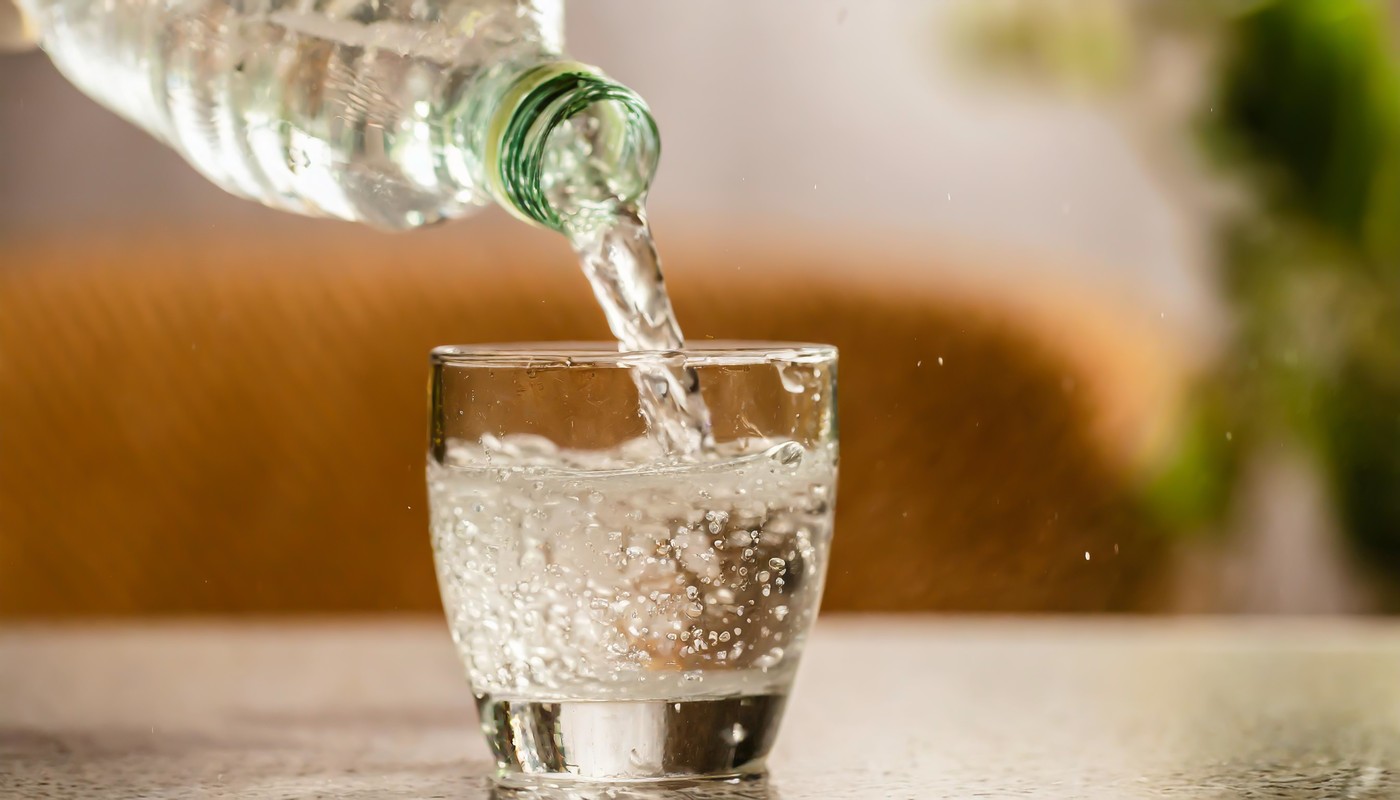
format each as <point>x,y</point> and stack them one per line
<point>582,355</point>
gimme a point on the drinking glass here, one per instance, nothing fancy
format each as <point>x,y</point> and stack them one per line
<point>626,613</point>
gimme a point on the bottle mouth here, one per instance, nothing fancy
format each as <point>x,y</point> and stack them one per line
<point>571,144</point>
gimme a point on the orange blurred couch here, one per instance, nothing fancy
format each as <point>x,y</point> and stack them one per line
<point>233,421</point>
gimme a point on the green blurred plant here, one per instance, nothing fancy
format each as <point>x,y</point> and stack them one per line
<point>1304,113</point>
<point>1310,110</point>
<point>1083,44</point>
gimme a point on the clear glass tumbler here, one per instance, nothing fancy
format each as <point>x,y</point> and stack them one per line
<point>625,615</point>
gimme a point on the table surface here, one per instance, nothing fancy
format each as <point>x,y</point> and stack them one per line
<point>909,707</point>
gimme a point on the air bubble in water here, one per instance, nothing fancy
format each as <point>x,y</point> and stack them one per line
<point>770,659</point>
<point>791,382</point>
<point>694,610</point>
<point>789,454</point>
<point>736,734</point>
<point>777,563</point>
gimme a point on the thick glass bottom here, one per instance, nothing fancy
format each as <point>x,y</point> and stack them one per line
<point>682,741</point>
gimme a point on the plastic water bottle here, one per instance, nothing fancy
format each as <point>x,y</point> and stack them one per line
<point>398,113</point>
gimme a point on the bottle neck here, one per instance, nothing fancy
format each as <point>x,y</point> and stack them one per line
<point>566,145</point>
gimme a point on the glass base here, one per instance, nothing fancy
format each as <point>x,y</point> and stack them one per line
<point>651,741</point>
<point>748,787</point>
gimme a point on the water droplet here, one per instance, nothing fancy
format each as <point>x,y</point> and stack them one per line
<point>780,612</point>
<point>777,563</point>
<point>694,610</point>
<point>691,592</point>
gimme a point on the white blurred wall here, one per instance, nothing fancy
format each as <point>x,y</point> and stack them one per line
<point>846,113</point>
<point>833,116</point>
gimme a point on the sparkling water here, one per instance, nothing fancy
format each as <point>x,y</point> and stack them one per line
<point>670,599</point>
<point>593,601</point>
<point>569,578</point>
<point>613,240</point>
<point>619,258</point>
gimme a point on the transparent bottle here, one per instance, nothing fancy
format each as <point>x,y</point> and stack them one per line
<point>398,113</point>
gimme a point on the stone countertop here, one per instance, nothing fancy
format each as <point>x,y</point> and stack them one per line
<point>910,707</point>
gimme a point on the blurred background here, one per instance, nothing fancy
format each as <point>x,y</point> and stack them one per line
<point>1115,285</point>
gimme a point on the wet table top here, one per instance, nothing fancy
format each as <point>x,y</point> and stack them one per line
<point>910,707</point>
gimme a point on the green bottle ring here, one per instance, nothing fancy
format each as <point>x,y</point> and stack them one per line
<point>535,104</point>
